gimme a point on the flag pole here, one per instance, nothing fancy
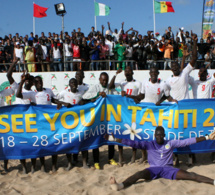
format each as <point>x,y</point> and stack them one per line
<point>33,22</point>
<point>154,15</point>
<point>202,18</point>
<point>95,16</point>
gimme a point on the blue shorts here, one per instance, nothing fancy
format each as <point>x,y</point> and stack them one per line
<point>163,172</point>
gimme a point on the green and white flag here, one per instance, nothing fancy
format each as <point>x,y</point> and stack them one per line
<point>101,9</point>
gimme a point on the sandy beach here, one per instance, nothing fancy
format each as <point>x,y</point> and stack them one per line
<point>92,182</point>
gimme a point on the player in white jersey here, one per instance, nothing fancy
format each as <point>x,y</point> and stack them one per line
<point>82,87</point>
<point>43,96</point>
<point>154,90</point>
<point>129,88</point>
<point>178,83</point>
<point>203,88</point>
<point>92,94</point>
<point>14,85</point>
<point>27,88</point>
<point>71,97</point>
<point>204,85</point>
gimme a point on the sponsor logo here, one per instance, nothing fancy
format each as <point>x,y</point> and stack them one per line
<point>8,99</point>
<point>66,76</point>
<point>92,76</point>
<point>53,77</point>
<point>54,88</point>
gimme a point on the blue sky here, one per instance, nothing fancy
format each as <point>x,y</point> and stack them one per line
<point>17,16</point>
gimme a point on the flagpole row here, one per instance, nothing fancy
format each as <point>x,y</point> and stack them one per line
<point>34,25</point>
<point>154,15</point>
<point>95,18</point>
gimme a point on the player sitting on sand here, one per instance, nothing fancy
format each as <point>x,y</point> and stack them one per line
<point>160,152</point>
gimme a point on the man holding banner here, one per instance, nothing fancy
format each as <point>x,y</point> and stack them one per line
<point>178,83</point>
<point>43,96</point>
<point>129,88</point>
<point>160,152</point>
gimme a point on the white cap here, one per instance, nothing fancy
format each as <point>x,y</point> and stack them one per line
<point>182,28</point>
<point>107,32</point>
<point>17,43</point>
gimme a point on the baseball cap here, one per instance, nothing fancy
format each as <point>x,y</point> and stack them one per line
<point>182,28</point>
<point>157,33</point>
<point>17,43</point>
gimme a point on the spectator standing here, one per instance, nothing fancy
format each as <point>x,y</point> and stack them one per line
<point>68,55</point>
<point>168,53</point>
<point>56,53</point>
<point>19,53</point>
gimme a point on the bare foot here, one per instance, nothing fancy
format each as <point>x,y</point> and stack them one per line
<point>120,164</point>
<point>132,159</point>
<point>112,180</point>
<point>69,166</point>
<point>42,168</point>
<point>86,166</point>
<point>32,169</point>
<point>142,160</point>
<point>54,168</point>
<point>24,170</point>
<point>114,185</point>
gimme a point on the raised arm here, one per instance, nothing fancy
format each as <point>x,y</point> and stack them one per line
<point>194,52</point>
<point>19,90</point>
<point>103,30</point>
<point>10,71</point>
<point>184,57</point>
<point>109,27</point>
<point>112,82</point>
<point>128,30</point>
<point>122,25</point>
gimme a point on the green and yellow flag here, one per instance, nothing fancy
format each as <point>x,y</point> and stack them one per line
<point>163,7</point>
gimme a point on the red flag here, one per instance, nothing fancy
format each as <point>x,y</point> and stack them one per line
<point>39,12</point>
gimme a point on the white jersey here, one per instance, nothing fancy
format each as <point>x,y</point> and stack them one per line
<point>94,90</point>
<point>178,85</point>
<point>40,97</point>
<point>15,87</point>
<point>154,91</point>
<point>83,88</point>
<point>131,88</point>
<point>204,88</point>
<point>70,97</point>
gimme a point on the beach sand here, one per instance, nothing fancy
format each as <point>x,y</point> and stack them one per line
<point>92,182</point>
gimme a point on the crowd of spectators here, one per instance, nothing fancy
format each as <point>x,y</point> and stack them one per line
<point>102,50</point>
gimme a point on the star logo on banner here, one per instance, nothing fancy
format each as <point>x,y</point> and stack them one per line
<point>54,87</point>
<point>66,87</point>
<point>92,75</point>
<point>53,76</point>
<point>66,76</point>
